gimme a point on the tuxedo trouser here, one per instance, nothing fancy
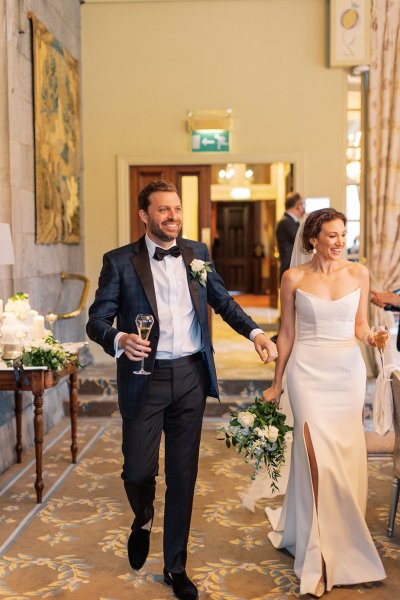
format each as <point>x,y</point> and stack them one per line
<point>175,405</point>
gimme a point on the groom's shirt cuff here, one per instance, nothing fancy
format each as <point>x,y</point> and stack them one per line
<point>117,349</point>
<point>255,332</point>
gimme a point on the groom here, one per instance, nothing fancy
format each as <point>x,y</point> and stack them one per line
<point>156,275</point>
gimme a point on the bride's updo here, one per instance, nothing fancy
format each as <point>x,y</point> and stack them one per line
<point>314,222</point>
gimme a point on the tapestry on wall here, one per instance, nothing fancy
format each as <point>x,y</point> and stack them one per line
<point>57,139</point>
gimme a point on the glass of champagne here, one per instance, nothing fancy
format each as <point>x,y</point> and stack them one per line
<point>381,334</point>
<point>144,323</point>
<point>51,318</point>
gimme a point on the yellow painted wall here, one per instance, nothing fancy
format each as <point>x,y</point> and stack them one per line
<point>145,64</point>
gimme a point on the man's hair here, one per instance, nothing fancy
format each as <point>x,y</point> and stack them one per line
<point>155,186</point>
<point>292,199</point>
<point>314,222</point>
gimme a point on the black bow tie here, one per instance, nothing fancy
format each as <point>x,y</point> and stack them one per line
<point>160,252</point>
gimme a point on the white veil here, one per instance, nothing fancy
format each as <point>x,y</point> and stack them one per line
<point>261,486</point>
<point>299,256</point>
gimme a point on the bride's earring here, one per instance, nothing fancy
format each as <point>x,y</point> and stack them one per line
<point>314,251</point>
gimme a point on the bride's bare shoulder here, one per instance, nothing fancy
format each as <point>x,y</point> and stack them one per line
<point>358,271</point>
<point>293,276</point>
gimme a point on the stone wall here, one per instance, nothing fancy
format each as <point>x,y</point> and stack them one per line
<point>37,267</point>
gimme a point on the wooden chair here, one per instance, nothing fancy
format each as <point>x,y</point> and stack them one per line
<point>396,452</point>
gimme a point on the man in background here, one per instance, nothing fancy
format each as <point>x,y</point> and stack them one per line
<point>287,227</point>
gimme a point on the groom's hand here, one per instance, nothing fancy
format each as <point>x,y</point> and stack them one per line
<point>265,348</point>
<point>134,347</point>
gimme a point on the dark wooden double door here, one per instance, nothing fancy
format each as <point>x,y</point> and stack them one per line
<point>241,246</point>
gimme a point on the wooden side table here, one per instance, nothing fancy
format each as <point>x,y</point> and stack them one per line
<point>38,380</point>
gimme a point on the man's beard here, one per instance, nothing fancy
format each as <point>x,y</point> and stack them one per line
<point>162,235</point>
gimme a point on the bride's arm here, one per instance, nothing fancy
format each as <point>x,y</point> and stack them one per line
<point>285,336</point>
<point>362,328</point>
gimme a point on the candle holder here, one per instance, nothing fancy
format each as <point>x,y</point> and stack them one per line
<point>20,336</point>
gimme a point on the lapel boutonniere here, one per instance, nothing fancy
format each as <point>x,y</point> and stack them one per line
<point>199,269</point>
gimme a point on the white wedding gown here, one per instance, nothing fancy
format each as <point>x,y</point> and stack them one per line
<point>326,380</point>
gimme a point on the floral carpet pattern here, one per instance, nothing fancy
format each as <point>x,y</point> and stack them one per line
<point>73,546</point>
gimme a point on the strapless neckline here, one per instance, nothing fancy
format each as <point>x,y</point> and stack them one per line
<point>326,299</point>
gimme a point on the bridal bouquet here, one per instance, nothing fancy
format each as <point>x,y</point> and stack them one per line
<point>262,433</point>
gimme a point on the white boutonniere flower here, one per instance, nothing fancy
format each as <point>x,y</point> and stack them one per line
<point>199,269</point>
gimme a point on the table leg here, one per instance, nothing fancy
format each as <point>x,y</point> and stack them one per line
<point>73,407</point>
<point>18,424</point>
<point>37,390</point>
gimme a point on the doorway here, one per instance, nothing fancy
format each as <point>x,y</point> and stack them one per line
<point>244,246</point>
<point>232,208</point>
<point>193,184</point>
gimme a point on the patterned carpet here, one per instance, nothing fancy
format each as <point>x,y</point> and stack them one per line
<point>73,546</point>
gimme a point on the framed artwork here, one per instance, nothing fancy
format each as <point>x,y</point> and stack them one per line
<point>57,139</point>
<point>350,22</point>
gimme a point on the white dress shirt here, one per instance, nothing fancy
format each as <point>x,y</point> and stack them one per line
<point>180,333</point>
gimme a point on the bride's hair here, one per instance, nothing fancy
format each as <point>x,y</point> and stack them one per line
<point>314,222</point>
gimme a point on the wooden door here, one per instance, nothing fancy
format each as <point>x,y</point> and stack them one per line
<point>141,176</point>
<point>233,245</point>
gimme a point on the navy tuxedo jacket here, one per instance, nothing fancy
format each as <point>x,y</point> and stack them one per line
<point>126,289</point>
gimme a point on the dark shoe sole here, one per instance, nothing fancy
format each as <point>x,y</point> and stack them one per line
<point>168,581</point>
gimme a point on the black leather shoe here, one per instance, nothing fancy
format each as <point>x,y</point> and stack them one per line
<point>138,548</point>
<point>184,589</point>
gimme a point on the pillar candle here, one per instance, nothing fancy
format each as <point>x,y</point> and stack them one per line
<point>38,327</point>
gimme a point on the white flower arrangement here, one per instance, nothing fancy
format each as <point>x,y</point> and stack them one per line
<point>199,269</point>
<point>262,433</point>
<point>19,305</point>
<point>47,353</point>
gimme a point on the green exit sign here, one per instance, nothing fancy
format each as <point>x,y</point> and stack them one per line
<point>210,141</point>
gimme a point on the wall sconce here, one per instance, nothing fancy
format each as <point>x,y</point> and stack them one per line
<point>6,247</point>
<point>217,120</point>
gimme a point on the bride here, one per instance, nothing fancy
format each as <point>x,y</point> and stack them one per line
<point>322,521</point>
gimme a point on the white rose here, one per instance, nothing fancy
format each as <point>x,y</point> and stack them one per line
<point>203,275</point>
<point>197,265</point>
<point>272,434</point>
<point>246,418</point>
<point>262,432</point>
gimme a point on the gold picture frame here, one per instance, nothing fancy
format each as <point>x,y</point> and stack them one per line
<point>349,33</point>
<point>57,139</point>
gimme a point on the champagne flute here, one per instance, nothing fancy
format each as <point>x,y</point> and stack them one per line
<point>51,318</point>
<point>380,334</point>
<point>144,323</point>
